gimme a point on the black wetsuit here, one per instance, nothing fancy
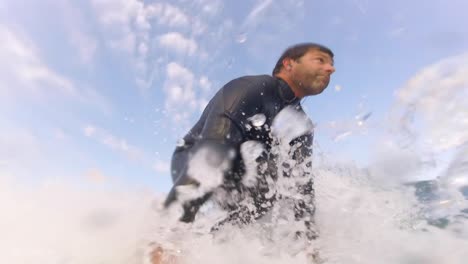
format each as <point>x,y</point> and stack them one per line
<point>224,125</point>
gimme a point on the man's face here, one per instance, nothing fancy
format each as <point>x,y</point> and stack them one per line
<point>311,73</point>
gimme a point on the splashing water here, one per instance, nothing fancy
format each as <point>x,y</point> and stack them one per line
<point>257,120</point>
<point>363,215</point>
<point>62,223</point>
<point>359,222</point>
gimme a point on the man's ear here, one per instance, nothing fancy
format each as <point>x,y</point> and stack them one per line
<point>287,63</point>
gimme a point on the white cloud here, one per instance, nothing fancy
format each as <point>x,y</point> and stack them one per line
<point>182,100</point>
<point>87,46</point>
<point>143,49</point>
<point>129,21</point>
<point>211,7</point>
<point>24,75</point>
<point>179,86</point>
<point>76,28</point>
<point>167,14</point>
<point>205,84</point>
<point>437,97</point>
<point>118,18</point>
<point>117,12</point>
<point>113,142</point>
<point>22,69</point>
<point>198,27</point>
<point>128,25</point>
<point>126,42</point>
<point>175,70</point>
<point>92,96</point>
<point>177,42</point>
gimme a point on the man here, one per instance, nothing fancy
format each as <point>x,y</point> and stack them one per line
<point>226,123</point>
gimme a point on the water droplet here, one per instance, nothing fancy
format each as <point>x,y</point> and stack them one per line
<point>363,116</point>
<point>241,38</point>
<point>257,120</point>
<point>229,62</point>
<point>180,142</point>
<point>243,113</point>
<point>342,136</point>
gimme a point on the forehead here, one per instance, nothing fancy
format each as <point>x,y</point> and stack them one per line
<point>317,52</point>
<point>312,53</point>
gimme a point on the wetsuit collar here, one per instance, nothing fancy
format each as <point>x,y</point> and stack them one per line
<point>286,93</point>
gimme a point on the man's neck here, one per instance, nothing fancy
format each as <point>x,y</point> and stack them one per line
<point>291,84</point>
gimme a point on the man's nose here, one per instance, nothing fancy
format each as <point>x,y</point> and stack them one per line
<point>330,68</point>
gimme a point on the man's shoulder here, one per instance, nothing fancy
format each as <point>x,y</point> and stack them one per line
<point>262,80</point>
<point>244,92</point>
<point>249,84</point>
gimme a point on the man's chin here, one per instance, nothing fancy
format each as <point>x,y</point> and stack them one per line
<point>318,90</point>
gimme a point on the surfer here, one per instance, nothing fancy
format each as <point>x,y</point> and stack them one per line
<point>227,122</point>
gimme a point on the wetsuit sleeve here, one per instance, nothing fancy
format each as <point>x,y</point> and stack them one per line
<point>229,110</point>
<point>222,133</point>
<point>304,203</point>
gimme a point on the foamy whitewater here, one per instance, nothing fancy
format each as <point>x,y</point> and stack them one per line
<point>365,215</point>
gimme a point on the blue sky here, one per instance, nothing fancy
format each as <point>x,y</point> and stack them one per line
<point>101,90</point>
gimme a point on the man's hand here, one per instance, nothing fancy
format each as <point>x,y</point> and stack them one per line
<point>159,256</point>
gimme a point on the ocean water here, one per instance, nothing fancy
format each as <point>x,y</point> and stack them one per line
<point>358,220</point>
<point>361,218</point>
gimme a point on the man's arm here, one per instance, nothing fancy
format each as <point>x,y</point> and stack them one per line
<point>222,134</point>
<point>304,205</point>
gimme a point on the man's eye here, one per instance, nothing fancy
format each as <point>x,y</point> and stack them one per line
<point>321,60</point>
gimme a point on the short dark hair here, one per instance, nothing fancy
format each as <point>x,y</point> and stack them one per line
<point>297,51</point>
